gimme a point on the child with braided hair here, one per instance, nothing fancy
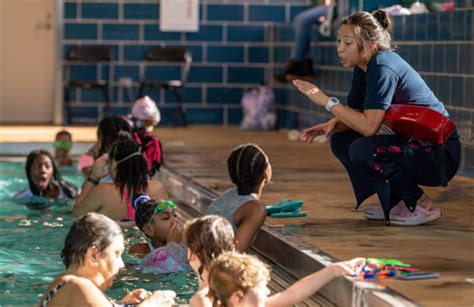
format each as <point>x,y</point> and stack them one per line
<point>250,170</point>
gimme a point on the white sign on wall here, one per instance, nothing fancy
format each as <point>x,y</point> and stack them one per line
<point>179,15</point>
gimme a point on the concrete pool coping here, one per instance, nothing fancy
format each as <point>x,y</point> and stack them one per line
<point>292,254</point>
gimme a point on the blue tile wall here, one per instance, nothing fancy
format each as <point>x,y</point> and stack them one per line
<point>206,74</point>
<point>241,43</point>
<point>225,54</point>
<point>206,33</point>
<point>78,31</point>
<point>225,12</point>
<point>152,32</point>
<point>258,54</point>
<point>267,13</point>
<point>208,115</point>
<point>188,95</point>
<point>70,10</point>
<point>135,52</point>
<point>245,34</point>
<point>120,31</point>
<point>245,75</point>
<point>142,11</point>
<point>99,10</point>
<point>234,116</point>
<point>224,95</point>
<point>162,73</point>
<point>128,71</point>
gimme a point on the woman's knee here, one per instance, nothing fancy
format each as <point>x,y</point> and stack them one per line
<point>360,151</point>
<point>338,142</point>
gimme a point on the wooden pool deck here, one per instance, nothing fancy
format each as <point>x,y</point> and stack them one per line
<point>311,173</point>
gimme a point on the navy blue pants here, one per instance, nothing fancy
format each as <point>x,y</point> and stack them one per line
<point>392,166</point>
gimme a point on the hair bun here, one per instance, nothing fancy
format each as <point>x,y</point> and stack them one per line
<point>124,135</point>
<point>139,200</point>
<point>383,18</point>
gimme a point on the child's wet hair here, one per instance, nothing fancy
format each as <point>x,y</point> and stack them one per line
<point>371,28</point>
<point>30,159</point>
<point>246,164</point>
<point>63,132</point>
<point>144,209</point>
<point>208,237</point>
<point>232,272</point>
<point>108,131</point>
<point>132,172</point>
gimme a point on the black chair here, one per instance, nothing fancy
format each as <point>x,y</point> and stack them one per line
<point>87,55</point>
<point>173,55</point>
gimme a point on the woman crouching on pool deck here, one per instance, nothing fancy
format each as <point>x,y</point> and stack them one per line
<point>241,280</point>
<point>92,255</point>
<point>44,179</point>
<point>206,237</point>
<point>128,169</point>
<point>390,165</point>
<point>165,251</point>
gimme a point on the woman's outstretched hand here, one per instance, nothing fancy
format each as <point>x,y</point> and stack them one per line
<point>312,92</point>
<point>326,129</point>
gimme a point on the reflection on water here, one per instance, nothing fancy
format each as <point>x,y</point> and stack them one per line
<point>32,241</point>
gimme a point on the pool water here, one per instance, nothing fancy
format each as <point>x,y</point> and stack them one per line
<point>31,242</point>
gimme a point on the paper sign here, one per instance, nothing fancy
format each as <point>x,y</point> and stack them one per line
<point>179,15</point>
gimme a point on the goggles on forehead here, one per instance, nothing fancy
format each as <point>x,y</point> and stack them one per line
<point>161,207</point>
<point>61,144</point>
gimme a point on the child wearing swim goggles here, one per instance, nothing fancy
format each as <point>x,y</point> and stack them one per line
<point>62,145</point>
<point>159,222</point>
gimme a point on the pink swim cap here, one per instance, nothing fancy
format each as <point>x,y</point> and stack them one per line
<point>145,109</point>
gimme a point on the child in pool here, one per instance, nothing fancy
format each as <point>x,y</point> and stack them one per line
<point>44,178</point>
<point>250,170</point>
<point>62,145</point>
<point>158,220</point>
<point>128,170</point>
<point>206,238</point>
<point>241,280</point>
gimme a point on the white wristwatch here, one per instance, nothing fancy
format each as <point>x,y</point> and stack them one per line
<point>331,103</point>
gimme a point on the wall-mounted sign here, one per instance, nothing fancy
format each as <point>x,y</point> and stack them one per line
<point>179,15</point>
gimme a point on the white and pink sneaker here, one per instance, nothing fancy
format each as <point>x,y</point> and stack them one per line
<point>377,213</point>
<point>418,217</point>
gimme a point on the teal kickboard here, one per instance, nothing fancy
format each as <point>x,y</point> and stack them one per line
<point>289,214</point>
<point>285,205</point>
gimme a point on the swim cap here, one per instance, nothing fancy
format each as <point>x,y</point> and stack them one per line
<point>145,109</point>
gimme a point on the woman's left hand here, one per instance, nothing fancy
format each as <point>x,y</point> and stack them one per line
<point>312,92</point>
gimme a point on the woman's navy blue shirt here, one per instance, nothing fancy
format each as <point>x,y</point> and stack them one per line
<point>390,80</point>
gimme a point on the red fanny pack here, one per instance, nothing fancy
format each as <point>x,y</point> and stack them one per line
<point>419,123</point>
